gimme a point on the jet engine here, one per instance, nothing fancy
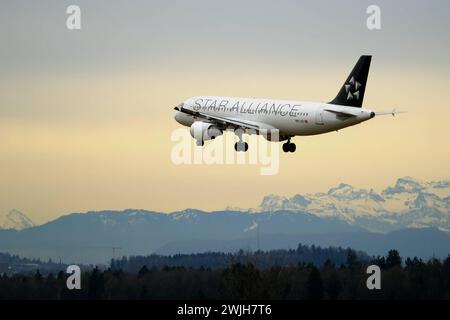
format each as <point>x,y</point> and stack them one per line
<point>203,131</point>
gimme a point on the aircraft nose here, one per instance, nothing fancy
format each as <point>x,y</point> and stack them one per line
<point>182,118</point>
<point>177,116</point>
<point>372,114</point>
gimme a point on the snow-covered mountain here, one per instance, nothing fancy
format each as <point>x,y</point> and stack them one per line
<point>15,219</point>
<point>90,237</point>
<point>409,203</point>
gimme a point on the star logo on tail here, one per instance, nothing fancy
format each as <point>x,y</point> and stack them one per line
<point>352,89</point>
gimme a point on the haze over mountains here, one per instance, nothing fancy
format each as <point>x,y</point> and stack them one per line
<point>412,215</point>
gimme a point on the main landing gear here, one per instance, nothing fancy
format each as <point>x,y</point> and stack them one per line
<point>241,146</point>
<point>288,146</point>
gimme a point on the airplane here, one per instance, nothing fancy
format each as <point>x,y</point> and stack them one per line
<point>209,116</point>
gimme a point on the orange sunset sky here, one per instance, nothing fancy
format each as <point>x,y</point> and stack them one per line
<point>86,116</point>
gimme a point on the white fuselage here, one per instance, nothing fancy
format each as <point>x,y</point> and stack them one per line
<point>291,118</point>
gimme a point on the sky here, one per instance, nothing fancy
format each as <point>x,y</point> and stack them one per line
<point>86,116</point>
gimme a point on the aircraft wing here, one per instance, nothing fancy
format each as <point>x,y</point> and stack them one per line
<point>225,122</point>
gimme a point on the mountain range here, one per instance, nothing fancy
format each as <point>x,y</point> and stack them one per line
<point>408,204</point>
<point>410,216</point>
<point>96,237</point>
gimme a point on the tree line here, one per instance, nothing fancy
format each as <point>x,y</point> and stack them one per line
<point>260,259</point>
<point>408,279</point>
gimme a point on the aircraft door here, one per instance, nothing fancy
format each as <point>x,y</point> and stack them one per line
<point>319,117</point>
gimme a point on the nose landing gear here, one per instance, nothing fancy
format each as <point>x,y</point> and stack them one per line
<point>240,145</point>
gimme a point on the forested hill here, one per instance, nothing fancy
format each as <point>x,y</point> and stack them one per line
<point>262,259</point>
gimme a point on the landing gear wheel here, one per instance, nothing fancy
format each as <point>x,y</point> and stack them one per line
<point>289,147</point>
<point>241,146</point>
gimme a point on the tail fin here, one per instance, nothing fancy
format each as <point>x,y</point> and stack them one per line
<point>352,92</point>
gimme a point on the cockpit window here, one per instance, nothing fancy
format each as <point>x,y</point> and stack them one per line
<point>178,107</point>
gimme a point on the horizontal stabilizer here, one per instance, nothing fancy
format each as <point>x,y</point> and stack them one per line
<point>342,111</point>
